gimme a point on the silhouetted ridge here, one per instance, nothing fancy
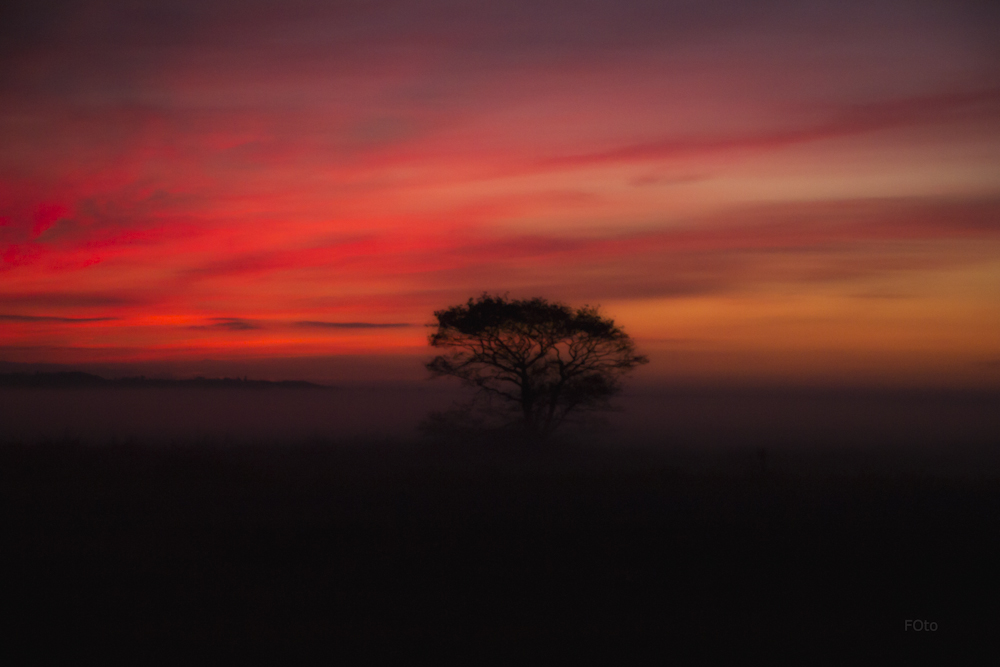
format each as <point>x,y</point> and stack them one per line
<point>80,379</point>
<point>61,379</point>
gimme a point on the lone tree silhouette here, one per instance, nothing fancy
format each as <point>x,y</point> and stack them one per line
<point>533,364</point>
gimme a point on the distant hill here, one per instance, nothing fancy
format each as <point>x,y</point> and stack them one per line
<point>80,379</point>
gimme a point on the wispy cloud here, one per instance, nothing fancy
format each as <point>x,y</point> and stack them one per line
<point>229,324</point>
<point>51,318</point>
<point>60,299</point>
<point>284,258</point>
<point>353,325</point>
<point>851,121</point>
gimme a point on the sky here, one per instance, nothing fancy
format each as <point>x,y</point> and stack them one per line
<point>788,191</point>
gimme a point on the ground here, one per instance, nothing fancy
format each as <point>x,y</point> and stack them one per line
<point>289,546</point>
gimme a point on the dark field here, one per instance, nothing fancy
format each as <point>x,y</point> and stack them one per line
<point>605,542</point>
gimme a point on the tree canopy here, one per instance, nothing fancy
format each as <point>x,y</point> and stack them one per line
<point>536,364</point>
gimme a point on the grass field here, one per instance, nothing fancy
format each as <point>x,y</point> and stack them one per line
<point>366,545</point>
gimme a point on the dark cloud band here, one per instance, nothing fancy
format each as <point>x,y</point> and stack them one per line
<point>353,325</point>
<point>51,318</point>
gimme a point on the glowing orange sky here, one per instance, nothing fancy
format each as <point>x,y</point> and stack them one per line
<point>804,191</point>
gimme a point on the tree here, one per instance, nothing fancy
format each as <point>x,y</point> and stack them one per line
<point>532,363</point>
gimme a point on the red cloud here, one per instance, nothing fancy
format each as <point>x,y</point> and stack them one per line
<point>983,104</point>
<point>45,216</point>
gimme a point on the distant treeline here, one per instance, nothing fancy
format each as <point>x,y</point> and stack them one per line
<point>80,379</point>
